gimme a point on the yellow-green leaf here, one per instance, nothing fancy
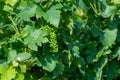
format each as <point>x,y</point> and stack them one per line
<point>11,2</point>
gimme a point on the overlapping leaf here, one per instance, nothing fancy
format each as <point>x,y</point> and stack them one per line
<point>28,11</point>
<point>36,38</point>
<point>52,15</point>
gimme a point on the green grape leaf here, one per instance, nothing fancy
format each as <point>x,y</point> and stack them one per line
<point>109,11</point>
<point>45,40</point>
<point>48,63</point>
<point>44,33</point>
<point>36,38</point>
<point>31,43</point>
<point>50,66</point>
<point>12,55</point>
<point>75,50</point>
<point>42,37</point>
<point>39,12</point>
<point>36,34</point>
<point>28,39</point>
<point>81,4</point>
<point>28,11</point>
<point>23,56</point>
<point>3,68</point>
<point>20,76</point>
<point>41,40</point>
<point>23,67</point>
<point>116,54</point>
<point>8,74</point>
<point>53,16</point>
<point>8,8</point>
<point>27,30</point>
<point>111,70</point>
<point>98,55</point>
<point>11,2</point>
<point>96,31</point>
<point>109,37</point>
<point>116,1</point>
<point>90,55</point>
<point>99,67</point>
<point>59,69</point>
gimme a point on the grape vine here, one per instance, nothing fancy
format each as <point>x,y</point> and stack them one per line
<point>53,44</point>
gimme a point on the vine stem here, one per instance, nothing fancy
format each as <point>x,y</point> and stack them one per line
<point>14,25</point>
<point>94,8</point>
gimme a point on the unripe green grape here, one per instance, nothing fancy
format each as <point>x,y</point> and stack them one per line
<point>53,44</point>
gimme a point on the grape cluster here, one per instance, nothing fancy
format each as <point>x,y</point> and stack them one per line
<point>53,44</point>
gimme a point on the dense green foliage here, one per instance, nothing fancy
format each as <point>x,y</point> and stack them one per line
<point>59,39</point>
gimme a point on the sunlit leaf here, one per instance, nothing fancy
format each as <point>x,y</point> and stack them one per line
<point>109,11</point>
<point>53,15</point>
<point>11,2</point>
<point>12,55</point>
<point>109,37</point>
<point>23,56</point>
<point>28,11</point>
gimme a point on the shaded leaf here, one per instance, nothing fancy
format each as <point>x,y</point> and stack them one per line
<point>11,2</point>
<point>59,69</point>
<point>48,63</point>
<point>99,67</point>
<point>81,4</point>
<point>111,70</point>
<point>96,31</point>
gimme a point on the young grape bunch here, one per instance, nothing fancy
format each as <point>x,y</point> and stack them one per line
<point>53,44</point>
